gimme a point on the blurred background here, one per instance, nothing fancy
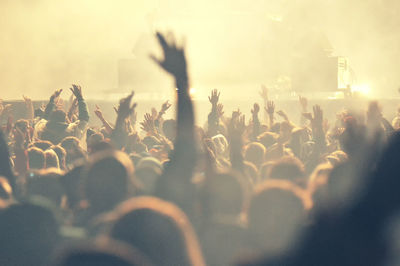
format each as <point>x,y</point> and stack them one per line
<point>232,45</point>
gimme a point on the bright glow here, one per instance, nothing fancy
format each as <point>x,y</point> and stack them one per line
<point>192,91</point>
<point>364,89</point>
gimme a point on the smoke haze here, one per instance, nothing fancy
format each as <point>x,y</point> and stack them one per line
<point>48,44</point>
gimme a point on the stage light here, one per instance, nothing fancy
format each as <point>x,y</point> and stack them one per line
<point>364,89</point>
<point>192,91</point>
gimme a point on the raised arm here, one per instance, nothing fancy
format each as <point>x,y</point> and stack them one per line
<point>256,122</point>
<point>236,129</point>
<point>119,135</point>
<point>105,123</point>
<point>264,96</point>
<point>270,109</point>
<point>51,104</point>
<point>303,109</point>
<point>175,184</point>
<point>29,108</point>
<point>82,107</point>
<point>318,135</point>
<point>213,119</point>
<point>158,121</point>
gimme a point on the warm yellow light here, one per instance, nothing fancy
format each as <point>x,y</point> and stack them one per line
<point>364,89</point>
<point>192,91</point>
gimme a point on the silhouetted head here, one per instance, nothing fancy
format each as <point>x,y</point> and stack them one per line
<point>36,158</point>
<point>225,194</point>
<point>74,150</point>
<point>108,180</point>
<point>58,116</point>
<point>106,253</point>
<point>42,144</point>
<point>70,143</point>
<point>94,139</point>
<point>251,172</point>
<point>71,183</point>
<point>51,159</point>
<point>158,229</point>
<point>221,146</point>
<point>101,146</point>
<point>288,168</point>
<point>29,234</point>
<point>276,214</point>
<point>61,154</point>
<point>46,183</point>
<point>22,124</point>
<point>254,152</point>
<point>267,139</point>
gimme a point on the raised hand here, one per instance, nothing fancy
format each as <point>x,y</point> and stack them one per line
<point>153,113</point>
<point>236,114</point>
<point>220,110</point>
<point>174,61</point>
<point>317,118</point>
<point>318,114</point>
<point>255,110</point>
<point>237,126</point>
<point>214,98</point>
<point>165,106</point>
<point>98,112</point>
<point>303,103</point>
<point>270,108</point>
<point>148,123</point>
<point>125,108</point>
<point>27,100</point>
<point>77,91</point>
<point>56,94</point>
<point>59,104</point>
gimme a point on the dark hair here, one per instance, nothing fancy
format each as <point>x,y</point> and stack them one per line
<point>108,179</point>
<point>276,213</point>
<point>289,168</point>
<point>36,158</point>
<point>159,229</point>
<point>46,183</point>
<point>42,144</point>
<point>58,116</point>
<point>61,154</point>
<point>51,159</point>
<point>224,193</point>
<point>29,233</point>
<point>105,253</point>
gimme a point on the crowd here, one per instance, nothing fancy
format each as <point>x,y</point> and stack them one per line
<point>236,191</point>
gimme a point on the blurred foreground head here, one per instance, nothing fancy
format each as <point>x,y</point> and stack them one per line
<point>109,253</point>
<point>276,215</point>
<point>108,180</point>
<point>29,233</point>
<point>158,229</point>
